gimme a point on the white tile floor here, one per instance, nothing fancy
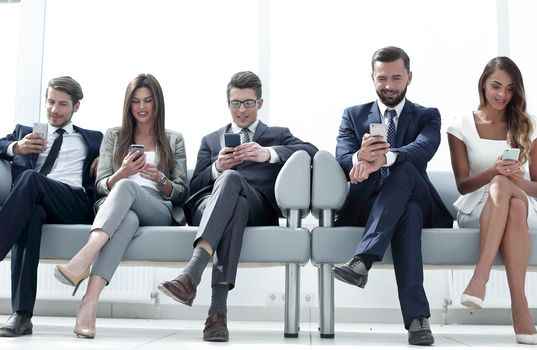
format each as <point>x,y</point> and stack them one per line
<point>56,333</point>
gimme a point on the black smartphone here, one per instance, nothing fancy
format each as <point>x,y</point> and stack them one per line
<point>232,139</point>
<point>134,148</point>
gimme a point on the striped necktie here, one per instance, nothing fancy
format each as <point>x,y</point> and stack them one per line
<point>391,134</point>
<point>245,135</point>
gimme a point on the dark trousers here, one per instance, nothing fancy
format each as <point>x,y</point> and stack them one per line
<point>222,218</point>
<point>395,214</point>
<point>33,201</point>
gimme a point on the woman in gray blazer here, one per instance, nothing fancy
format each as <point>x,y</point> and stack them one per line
<point>142,171</point>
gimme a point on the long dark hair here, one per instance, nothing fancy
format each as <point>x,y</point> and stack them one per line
<point>519,124</point>
<point>128,123</point>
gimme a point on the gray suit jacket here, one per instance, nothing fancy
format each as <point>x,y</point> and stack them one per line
<point>261,176</point>
<point>177,175</point>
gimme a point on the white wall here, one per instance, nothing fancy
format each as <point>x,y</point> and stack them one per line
<point>312,55</point>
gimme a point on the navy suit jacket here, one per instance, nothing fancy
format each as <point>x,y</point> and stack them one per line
<point>261,176</point>
<point>21,162</point>
<point>418,138</point>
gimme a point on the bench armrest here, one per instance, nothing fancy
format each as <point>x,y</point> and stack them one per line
<point>329,184</point>
<point>5,180</point>
<point>293,184</point>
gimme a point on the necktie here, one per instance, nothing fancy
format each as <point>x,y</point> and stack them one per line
<point>391,133</point>
<point>245,135</point>
<point>53,154</point>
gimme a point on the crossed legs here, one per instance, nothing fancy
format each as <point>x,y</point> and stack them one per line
<point>504,228</point>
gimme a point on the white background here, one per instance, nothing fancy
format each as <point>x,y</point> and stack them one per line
<point>313,57</point>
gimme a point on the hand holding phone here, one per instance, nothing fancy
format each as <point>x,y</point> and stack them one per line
<point>378,129</point>
<point>139,148</point>
<point>232,139</point>
<point>511,154</point>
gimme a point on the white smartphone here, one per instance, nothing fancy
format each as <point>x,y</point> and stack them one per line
<point>378,129</point>
<point>134,148</point>
<point>40,128</point>
<point>511,154</point>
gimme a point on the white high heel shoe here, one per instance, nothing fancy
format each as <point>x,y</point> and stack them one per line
<point>471,301</point>
<point>530,339</point>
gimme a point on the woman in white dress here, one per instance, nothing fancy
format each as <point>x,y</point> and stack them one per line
<point>497,194</point>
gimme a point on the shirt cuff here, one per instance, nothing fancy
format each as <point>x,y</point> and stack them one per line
<point>9,150</point>
<point>355,158</point>
<point>214,173</point>
<point>391,157</point>
<point>274,157</point>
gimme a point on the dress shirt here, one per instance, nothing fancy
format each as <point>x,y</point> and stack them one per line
<point>70,161</point>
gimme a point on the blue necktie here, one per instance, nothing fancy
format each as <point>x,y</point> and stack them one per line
<point>390,114</point>
<point>245,135</point>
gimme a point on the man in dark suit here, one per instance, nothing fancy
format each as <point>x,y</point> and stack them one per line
<point>53,176</point>
<point>390,193</point>
<point>239,185</point>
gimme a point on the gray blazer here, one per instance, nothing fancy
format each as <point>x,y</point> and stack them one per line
<point>177,175</point>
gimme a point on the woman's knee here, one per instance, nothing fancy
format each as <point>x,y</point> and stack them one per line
<point>500,185</point>
<point>124,185</point>
<point>518,211</point>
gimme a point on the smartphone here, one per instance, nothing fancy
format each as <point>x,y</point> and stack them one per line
<point>41,128</point>
<point>134,148</point>
<point>378,129</point>
<point>232,139</point>
<point>511,154</point>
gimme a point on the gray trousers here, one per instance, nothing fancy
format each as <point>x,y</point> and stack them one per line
<point>222,218</point>
<point>127,207</point>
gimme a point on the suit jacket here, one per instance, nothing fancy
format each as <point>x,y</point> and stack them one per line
<point>418,138</point>
<point>21,162</point>
<point>177,175</point>
<point>261,176</point>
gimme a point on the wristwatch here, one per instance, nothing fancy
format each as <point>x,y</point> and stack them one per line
<point>162,181</point>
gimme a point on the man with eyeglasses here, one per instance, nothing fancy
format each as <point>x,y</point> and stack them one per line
<point>233,188</point>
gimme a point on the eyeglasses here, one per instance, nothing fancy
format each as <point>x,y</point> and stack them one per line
<point>246,103</point>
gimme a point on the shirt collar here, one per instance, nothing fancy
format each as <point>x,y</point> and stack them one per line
<point>398,109</point>
<point>236,129</point>
<point>68,129</point>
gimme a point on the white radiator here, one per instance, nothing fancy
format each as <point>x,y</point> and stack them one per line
<point>130,283</point>
<point>497,289</point>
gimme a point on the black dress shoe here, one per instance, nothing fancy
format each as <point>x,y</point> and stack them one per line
<point>16,325</point>
<point>352,272</point>
<point>419,332</point>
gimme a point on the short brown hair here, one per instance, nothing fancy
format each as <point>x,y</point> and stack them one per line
<point>67,85</point>
<point>245,80</point>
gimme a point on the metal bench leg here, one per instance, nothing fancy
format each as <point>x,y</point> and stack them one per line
<point>292,300</point>
<point>326,301</point>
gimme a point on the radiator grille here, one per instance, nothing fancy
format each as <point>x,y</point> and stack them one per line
<point>130,283</point>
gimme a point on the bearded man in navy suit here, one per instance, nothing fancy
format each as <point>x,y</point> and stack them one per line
<point>390,193</point>
<point>58,190</point>
<point>236,184</point>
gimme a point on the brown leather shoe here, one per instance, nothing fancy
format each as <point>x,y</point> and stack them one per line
<point>216,328</point>
<point>181,289</point>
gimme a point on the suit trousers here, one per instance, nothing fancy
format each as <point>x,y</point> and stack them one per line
<point>127,207</point>
<point>396,214</point>
<point>33,201</point>
<point>222,218</point>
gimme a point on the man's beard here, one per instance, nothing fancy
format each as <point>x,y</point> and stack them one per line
<point>392,101</point>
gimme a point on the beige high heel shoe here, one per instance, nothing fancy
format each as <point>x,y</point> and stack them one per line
<point>67,277</point>
<point>84,331</point>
